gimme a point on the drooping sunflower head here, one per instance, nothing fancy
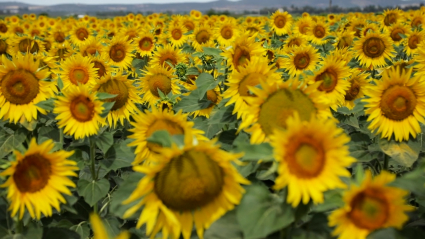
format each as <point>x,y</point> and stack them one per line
<point>77,70</point>
<point>119,52</point>
<point>396,99</point>
<point>22,86</point>
<point>371,206</point>
<point>310,153</point>
<point>200,179</point>
<point>158,78</point>
<point>276,102</point>
<point>79,111</point>
<point>38,178</point>
<point>281,22</point>
<point>125,99</point>
<point>374,49</point>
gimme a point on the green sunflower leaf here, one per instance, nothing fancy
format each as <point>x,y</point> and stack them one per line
<point>93,191</point>
<point>261,213</point>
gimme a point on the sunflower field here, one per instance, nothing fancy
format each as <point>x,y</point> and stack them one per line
<point>197,126</point>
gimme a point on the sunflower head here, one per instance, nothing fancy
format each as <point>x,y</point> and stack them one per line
<point>37,178</point>
<point>374,49</point>
<point>281,22</point>
<point>198,177</point>
<point>371,206</point>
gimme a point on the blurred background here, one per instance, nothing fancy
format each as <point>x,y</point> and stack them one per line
<point>108,8</point>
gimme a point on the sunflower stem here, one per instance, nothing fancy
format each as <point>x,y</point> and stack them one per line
<point>19,226</point>
<point>92,158</point>
<point>61,137</point>
<point>386,161</point>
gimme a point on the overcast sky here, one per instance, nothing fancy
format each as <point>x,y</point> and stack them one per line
<point>53,2</point>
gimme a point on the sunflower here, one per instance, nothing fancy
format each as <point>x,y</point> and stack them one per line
<point>318,32</point>
<point>38,178</point>
<point>344,40</point>
<point>177,35</point>
<point>215,97</point>
<point>417,20</point>
<point>277,101</point>
<point>99,229</point>
<point>91,46</point>
<point>396,104</point>
<point>145,124</point>
<point>61,51</point>
<point>393,16</point>
<point>373,49</point>
<point>158,78</point>
<point>167,57</point>
<point>26,44</point>
<point>332,76</point>
<point>312,155</point>
<point>145,43</point>
<point>78,112</point>
<point>358,84</point>
<point>5,47</point>
<point>80,33</point>
<point>252,74</point>
<point>371,206</point>
<point>100,65</point>
<point>242,51</point>
<point>395,30</point>
<point>130,31</point>
<point>195,14</point>
<point>301,59</point>
<point>253,28</point>
<point>294,40</point>
<point>412,42</point>
<point>356,26</point>
<point>76,70</point>
<point>281,22</point>
<point>22,87</point>
<point>302,26</point>
<point>58,34</point>
<point>3,27</point>
<point>226,33</point>
<point>189,23</point>
<point>124,101</point>
<point>202,185</point>
<point>119,52</point>
<point>202,37</point>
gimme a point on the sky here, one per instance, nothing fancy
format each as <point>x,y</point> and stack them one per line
<point>53,2</point>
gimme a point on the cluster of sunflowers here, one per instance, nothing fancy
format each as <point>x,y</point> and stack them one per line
<point>175,123</point>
